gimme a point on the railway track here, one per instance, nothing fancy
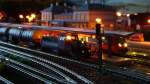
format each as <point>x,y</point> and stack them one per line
<point>26,70</point>
<point>5,81</point>
<point>80,67</point>
<point>47,66</point>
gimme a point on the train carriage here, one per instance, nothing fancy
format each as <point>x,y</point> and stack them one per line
<point>38,34</point>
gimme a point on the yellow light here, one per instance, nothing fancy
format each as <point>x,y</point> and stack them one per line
<point>144,55</point>
<point>125,45</point>
<point>82,42</point>
<point>30,19</point>
<point>119,45</point>
<point>128,15</point>
<point>119,14</point>
<point>21,16</point>
<point>33,15</point>
<point>27,16</point>
<point>148,21</point>
<point>87,39</point>
<point>93,37</point>
<point>68,37</point>
<point>133,53</point>
<point>1,15</point>
<point>103,38</point>
<point>98,20</point>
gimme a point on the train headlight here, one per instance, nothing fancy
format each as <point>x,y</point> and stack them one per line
<point>103,38</point>
<point>68,37</point>
<point>125,45</point>
<point>119,44</point>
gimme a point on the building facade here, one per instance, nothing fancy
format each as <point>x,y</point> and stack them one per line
<point>79,16</point>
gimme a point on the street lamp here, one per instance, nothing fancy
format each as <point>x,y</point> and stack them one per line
<point>33,15</point>
<point>119,14</point>
<point>128,15</point>
<point>99,41</point>
<point>21,16</point>
<point>30,18</point>
<point>27,16</point>
<point>148,21</point>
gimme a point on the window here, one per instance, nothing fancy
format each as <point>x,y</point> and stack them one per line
<point>82,17</point>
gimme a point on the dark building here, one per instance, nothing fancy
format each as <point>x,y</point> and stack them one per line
<point>82,16</point>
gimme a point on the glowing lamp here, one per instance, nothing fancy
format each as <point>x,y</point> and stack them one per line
<point>119,45</point>
<point>21,16</point>
<point>125,45</point>
<point>119,14</point>
<point>98,20</point>
<point>148,21</point>
<point>68,37</point>
<point>27,16</point>
<point>33,15</point>
<point>128,15</point>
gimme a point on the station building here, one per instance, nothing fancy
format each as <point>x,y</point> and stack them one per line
<point>82,16</point>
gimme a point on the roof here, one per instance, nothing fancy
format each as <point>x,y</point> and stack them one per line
<point>58,9</point>
<point>49,9</point>
<point>88,31</point>
<point>95,7</point>
<point>130,6</point>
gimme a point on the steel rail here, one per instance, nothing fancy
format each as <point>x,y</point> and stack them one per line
<point>54,64</point>
<point>19,54</point>
<point>24,71</point>
<point>5,81</point>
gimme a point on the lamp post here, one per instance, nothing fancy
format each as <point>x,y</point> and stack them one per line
<point>119,14</point>
<point>31,17</point>
<point>99,42</point>
<point>148,21</point>
<point>22,18</point>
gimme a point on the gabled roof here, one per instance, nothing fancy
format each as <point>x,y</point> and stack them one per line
<point>95,7</point>
<point>49,9</point>
<point>57,9</point>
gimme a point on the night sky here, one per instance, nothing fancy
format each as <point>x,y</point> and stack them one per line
<point>13,8</point>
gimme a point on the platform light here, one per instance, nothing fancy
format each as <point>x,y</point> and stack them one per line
<point>98,20</point>
<point>103,38</point>
<point>33,15</point>
<point>128,15</point>
<point>125,45</point>
<point>134,53</point>
<point>148,21</point>
<point>21,16</point>
<point>119,14</point>
<point>68,37</point>
<point>27,16</point>
<point>119,44</point>
<point>93,36</point>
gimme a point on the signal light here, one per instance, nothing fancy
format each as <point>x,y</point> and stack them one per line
<point>125,45</point>
<point>120,45</point>
<point>148,21</point>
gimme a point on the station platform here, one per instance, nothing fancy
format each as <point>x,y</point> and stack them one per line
<point>108,59</point>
